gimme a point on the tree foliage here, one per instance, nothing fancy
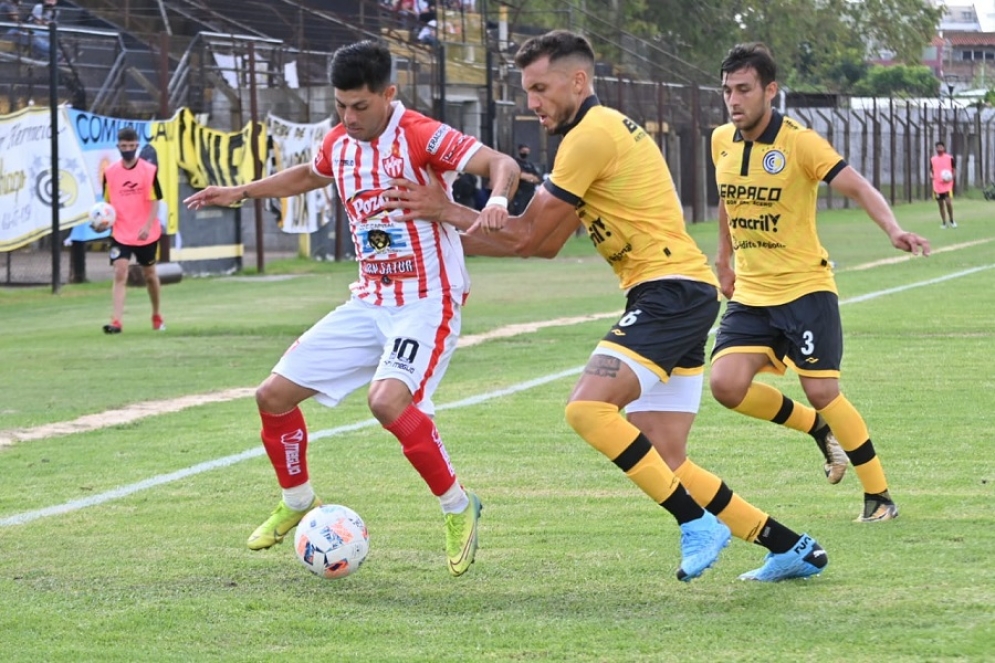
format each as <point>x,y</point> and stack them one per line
<point>899,80</point>
<point>818,43</point>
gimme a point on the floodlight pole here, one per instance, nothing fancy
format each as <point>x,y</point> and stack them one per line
<point>53,106</point>
<point>488,129</point>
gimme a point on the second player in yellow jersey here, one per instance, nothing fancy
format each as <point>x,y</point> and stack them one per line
<point>610,175</point>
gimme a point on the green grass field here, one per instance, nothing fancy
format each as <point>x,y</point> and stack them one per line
<point>141,556</point>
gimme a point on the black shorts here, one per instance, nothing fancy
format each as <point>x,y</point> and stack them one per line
<point>144,255</point>
<point>943,196</point>
<point>665,325</point>
<point>805,334</point>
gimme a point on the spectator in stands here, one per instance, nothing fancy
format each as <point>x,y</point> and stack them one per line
<point>407,14</point>
<point>44,14</point>
<point>429,35</point>
<point>12,12</point>
<point>426,10</point>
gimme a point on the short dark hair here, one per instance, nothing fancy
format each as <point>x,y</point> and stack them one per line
<point>127,133</point>
<point>753,55</point>
<point>940,142</point>
<point>363,64</point>
<point>555,45</point>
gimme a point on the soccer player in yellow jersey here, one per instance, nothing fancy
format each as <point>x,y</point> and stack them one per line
<point>783,308</point>
<point>610,174</point>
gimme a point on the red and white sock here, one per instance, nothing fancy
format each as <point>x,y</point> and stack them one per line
<point>423,448</point>
<point>285,439</point>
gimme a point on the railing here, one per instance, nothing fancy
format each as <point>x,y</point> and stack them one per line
<point>82,75</point>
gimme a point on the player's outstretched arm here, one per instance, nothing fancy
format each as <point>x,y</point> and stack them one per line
<point>855,186</point>
<point>290,182</point>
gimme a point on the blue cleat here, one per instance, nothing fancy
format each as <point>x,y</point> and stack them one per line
<point>701,542</point>
<point>806,558</point>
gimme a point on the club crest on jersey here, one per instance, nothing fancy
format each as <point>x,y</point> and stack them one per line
<point>774,162</point>
<point>393,165</point>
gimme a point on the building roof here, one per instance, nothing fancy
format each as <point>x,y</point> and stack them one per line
<point>969,38</point>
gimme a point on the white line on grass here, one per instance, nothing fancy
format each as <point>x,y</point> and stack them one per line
<point>905,257</point>
<point>227,461</point>
<point>137,411</point>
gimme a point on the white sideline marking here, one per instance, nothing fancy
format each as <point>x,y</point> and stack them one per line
<point>136,411</point>
<point>124,415</point>
<point>227,461</point>
<point>902,258</point>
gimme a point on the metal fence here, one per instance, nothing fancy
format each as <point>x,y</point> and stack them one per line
<point>471,84</point>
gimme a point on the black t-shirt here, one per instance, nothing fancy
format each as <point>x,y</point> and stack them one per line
<point>525,189</point>
<point>465,189</point>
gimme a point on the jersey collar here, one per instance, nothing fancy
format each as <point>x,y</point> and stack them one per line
<point>585,106</point>
<point>770,133</point>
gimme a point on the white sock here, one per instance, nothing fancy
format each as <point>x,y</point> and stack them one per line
<point>299,497</point>
<point>454,500</point>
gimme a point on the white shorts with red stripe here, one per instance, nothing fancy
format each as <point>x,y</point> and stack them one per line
<point>360,342</point>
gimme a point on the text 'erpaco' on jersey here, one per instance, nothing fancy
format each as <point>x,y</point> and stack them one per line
<point>770,190</point>
<point>399,261</point>
<point>616,176</point>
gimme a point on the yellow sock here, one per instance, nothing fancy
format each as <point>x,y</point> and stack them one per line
<point>851,431</point>
<point>763,401</point>
<point>708,490</point>
<point>601,426</point>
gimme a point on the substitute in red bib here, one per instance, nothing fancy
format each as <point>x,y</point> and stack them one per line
<point>942,170</point>
<point>131,186</point>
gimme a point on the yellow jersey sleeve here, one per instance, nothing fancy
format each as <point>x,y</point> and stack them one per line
<point>818,159</point>
<point>613,172</point>
<point>583,158</point>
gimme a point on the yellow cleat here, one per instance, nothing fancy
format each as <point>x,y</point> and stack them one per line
<point>282,520</point>
<point>461,536</point>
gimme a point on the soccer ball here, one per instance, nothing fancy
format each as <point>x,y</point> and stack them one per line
<point>102,216</point>
<point>332,541</point>
<point>946,175</point>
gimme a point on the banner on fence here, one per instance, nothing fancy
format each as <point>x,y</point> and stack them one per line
<point>97,138</point>
<point>26,177</point>
<point>294,144</point>
<point>213,157</point>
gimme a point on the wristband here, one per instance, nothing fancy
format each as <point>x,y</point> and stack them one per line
<point>501,201</point>
<point>245,195</point>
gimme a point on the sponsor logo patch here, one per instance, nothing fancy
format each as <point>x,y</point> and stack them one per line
<point>435,142</point>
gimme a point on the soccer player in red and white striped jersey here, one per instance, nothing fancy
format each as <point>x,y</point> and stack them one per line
<point>399,328</point>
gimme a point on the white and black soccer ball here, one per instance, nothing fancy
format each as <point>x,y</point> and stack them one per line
<point>102,216</point>
<point>332,541</point>
<point>946,175</point>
